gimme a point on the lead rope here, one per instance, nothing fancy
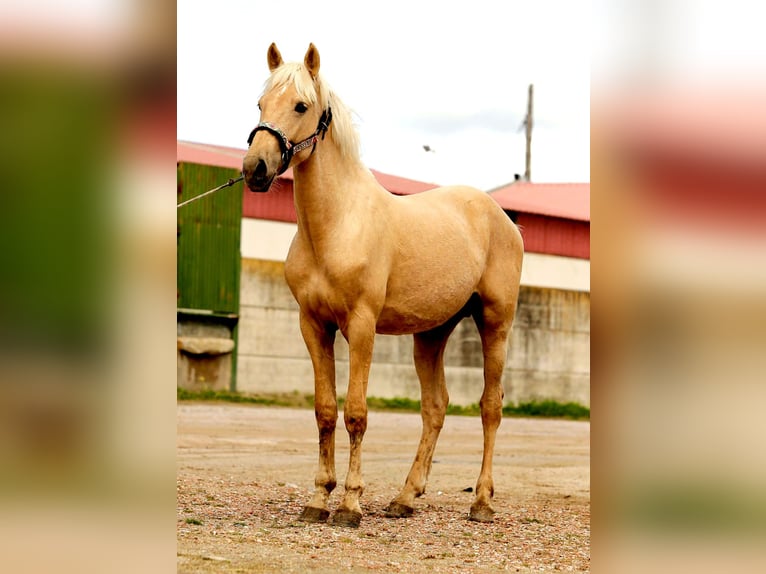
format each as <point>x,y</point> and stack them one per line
<point>201,195</point>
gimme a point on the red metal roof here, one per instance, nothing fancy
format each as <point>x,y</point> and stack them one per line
<point>401,185</point>
<point>232,157</point>
<point>554,217</point>
<point>564,200</point>
<point>204,154</point>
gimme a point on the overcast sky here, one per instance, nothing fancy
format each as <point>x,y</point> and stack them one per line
<point>450,75</point>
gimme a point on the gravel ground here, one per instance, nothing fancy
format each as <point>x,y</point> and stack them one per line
<point>245,472</point>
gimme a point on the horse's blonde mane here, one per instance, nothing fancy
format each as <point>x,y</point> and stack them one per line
<point>342,129</point>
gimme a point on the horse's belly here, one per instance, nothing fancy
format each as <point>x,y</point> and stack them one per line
<point>424,293</point>
<point>418,316</point>
<point>389,324</point>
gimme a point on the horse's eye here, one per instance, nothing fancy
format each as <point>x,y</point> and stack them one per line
<point>300,107</point>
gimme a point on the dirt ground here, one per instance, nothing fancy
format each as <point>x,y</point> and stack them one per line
<point>245,472</point>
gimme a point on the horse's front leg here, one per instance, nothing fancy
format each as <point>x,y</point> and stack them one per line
<point>320,341</point>
<point>360,333</point>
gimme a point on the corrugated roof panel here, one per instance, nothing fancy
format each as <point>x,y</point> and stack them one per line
<point>275,205</point>
<point>401,185</point>
<point>205,154</point>
<point>565,200</point>
<point>219,156</point>
<point>555,236</point>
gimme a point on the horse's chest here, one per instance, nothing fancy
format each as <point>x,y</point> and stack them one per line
<point>326,290</point>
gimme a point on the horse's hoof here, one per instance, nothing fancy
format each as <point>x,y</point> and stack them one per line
<point>312,514</point>
<point>482,513</point>
<point>349,518</point>
<point>397,510</point>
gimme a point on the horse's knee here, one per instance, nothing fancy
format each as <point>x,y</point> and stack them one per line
<point>355,417</point>
<point>493,394</point>
<point>437,423</point>
<point>327,417</point>
<point>434,418</point>
<point>491,405</point>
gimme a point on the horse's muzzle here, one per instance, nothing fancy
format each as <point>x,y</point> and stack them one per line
<point>258,178</point>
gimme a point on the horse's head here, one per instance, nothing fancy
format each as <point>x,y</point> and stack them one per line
<point>293,118</point>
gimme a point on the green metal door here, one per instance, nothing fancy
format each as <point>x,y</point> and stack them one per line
<point>209,257</point>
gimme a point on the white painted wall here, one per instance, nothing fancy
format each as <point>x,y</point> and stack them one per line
<point>266,240</point>
<point>555,272</point>
<point>270,240</point>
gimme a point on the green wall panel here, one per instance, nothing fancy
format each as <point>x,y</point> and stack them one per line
<point>208,239</point>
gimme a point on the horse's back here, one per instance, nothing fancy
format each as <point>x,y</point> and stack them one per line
<point>449,242</point>
<point>461,210</point>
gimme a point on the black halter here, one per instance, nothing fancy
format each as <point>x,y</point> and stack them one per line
<point>289,148</point>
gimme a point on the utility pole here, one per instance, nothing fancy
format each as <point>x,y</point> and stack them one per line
<point>529,123</point>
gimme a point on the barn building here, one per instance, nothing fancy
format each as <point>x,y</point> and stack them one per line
<point>231,252</point>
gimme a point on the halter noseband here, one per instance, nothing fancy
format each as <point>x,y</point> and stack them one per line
<point>289,148</point>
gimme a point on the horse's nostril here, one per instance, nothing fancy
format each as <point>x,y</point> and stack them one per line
<point>260,169</point>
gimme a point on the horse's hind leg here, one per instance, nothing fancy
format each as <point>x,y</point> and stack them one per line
<point>429,364</point>
<point>494,324</point>
<point>319,341</point>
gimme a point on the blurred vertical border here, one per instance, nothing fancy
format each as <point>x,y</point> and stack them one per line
<point>87,286</point>
<point>678,181</point>
<point>87,290</point>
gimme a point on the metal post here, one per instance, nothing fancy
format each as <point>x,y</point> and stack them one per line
<point>529,123</point>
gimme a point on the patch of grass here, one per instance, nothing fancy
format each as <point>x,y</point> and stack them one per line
<point>545,409</point>
<point>395,404</point>
<point>196,521</point>
<point>282,400</point>
<point>548,409</point>
<point>464,411</point>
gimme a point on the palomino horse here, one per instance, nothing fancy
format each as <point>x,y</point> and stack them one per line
<point>366,261</point>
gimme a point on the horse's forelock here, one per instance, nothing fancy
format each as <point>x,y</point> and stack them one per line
<point>297,75</point>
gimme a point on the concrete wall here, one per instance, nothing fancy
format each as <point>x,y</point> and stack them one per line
<point>204,351</point>
<point>549,351</point>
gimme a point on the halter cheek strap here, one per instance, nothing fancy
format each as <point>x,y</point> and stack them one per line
<point>289,148</point>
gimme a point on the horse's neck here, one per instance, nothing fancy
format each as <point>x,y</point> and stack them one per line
<point>328,189</point>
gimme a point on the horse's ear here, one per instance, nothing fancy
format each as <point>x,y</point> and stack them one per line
<point>274,57</point>
<point>312,60</point>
